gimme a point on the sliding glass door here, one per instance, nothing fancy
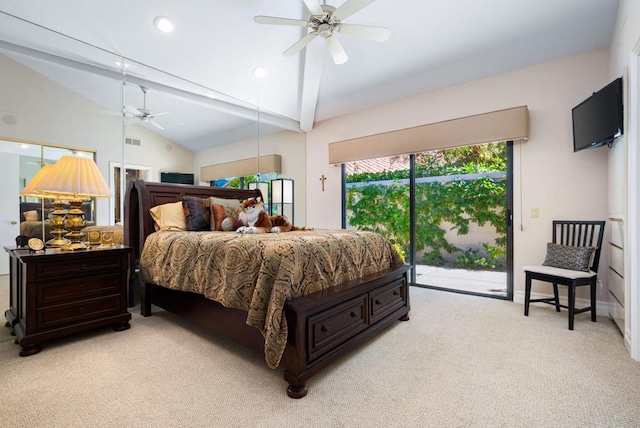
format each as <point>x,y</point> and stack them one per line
<point>459,236</point>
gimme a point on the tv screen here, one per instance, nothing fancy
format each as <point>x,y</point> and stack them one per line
<point>176,177</point>
<point>598,119</point>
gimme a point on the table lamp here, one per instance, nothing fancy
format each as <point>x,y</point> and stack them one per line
<point>76,179</point>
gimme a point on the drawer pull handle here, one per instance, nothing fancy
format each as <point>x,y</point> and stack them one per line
<point>82,310</point>
<point>83,266</point>
<point>354,314</point>
<point>83,287</point>
<point>396,293</point>
<point>325,329</point>
<point>378,302</point>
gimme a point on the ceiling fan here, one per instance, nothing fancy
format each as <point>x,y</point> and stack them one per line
<point>326,21</point>
<point>143,114</point>
<point>138,114</point>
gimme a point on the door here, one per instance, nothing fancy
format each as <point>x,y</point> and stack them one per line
<point>448,211</point>
<point>10,206</point>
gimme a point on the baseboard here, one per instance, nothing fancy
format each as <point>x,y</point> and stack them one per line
<point>602,307</point>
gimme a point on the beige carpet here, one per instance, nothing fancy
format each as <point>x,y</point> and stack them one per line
<point>4,305</point>
<point>461,361</point>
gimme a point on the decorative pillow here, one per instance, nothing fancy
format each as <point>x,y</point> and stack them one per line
<point>30,215</point>
<point>225,202</point>
<point>568,257</point>
<point>221,212</point>
<point>169,216</point>
<point>197,214</point>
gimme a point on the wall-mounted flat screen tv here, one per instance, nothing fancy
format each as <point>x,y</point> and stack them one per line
<point>598,119</point>
<point>176,177</point>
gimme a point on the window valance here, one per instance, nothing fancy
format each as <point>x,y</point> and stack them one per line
<point>502,125</point>
<point>241,167</point>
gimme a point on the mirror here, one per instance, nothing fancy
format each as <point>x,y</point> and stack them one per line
<point>64,93</point>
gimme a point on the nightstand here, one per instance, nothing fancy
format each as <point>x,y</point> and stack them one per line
<point>55,293</point>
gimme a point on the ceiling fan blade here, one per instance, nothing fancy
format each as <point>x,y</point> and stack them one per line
<point>314,7</point>
<point>379,34</point>
<point>300,44</point>
<point>156,124</point>
<point>272,20</point>
<point>336,50</point>
<point>350,7</point>
<point>160,113</point>
<point>110,112</point>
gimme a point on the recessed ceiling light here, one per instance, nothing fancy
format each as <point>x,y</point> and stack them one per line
<point>163,24</point>
<point>260,72</point>
<point>24,146</point>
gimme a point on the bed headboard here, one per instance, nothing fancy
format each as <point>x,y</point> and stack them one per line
<point>142,196</point>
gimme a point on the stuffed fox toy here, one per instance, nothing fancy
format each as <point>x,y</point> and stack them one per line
<point>255,219</point>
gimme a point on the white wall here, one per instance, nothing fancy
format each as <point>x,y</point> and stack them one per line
<point>547,174</point>
<point>157,152</point>
<point>52,114</point>
<point>289,145</point>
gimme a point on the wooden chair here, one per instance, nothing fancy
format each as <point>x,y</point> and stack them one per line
<point>575,234</point>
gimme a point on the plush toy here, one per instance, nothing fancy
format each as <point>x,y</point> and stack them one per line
<point>232,223</point>
<point>255,219</point>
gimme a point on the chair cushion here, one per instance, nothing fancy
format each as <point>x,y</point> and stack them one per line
<point>568,257</point>
<point>554,271</point>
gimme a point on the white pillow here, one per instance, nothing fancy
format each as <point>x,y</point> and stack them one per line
<point>169,216</point>
<point>30,215</point>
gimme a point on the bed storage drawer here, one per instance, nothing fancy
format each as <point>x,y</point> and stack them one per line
<point>387,299</point>
<point>335,325</point>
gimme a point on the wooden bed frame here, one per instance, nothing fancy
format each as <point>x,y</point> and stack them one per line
<point>323,326</point>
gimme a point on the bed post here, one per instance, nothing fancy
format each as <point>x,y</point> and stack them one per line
<point>131,232</point>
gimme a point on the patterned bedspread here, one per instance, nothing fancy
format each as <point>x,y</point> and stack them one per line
<point>259,273</point>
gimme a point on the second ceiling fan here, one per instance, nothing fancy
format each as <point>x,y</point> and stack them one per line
<point>143,114</point>
<point>326,21</point>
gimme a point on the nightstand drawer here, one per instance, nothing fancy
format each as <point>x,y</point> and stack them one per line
<point>73,313</point>
<point>80,266</point>
<point>334,326</point>
<point>386,300</point>
<point>78,289</point>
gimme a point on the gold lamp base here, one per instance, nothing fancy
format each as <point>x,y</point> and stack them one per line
<point>73,246</point>
<point>57,242</point>
<point>75,223</point>
<point>57,219</point>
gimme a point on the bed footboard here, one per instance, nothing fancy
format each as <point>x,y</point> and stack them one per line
<point>324,326</point>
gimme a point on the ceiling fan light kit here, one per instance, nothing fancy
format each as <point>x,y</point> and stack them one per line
<point>326,21</point>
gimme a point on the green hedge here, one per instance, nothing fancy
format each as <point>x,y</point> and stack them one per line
<point>384,208</point>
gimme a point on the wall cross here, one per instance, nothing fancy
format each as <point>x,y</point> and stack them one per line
<point>322,179</point>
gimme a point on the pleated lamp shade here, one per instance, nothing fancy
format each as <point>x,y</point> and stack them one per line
<point>74,177</point>
<point>29,188</point>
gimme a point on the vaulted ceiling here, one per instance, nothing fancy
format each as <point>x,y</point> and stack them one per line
<point>217,44</point>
